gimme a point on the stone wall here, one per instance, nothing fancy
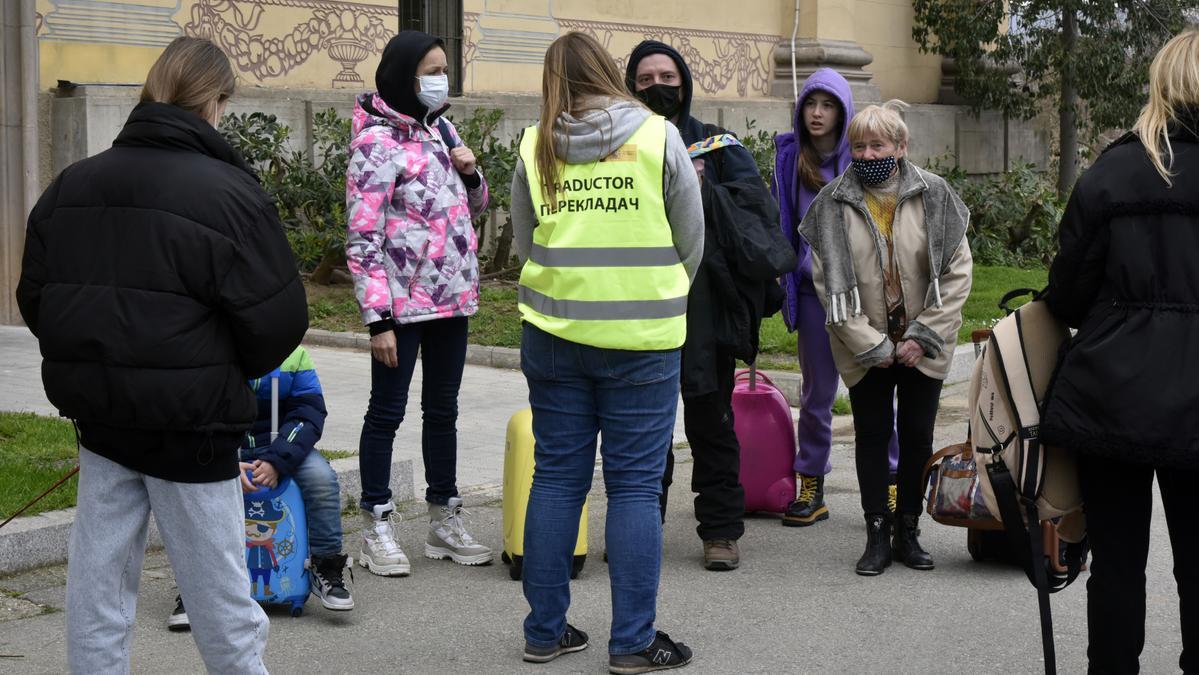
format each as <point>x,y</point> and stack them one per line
<point>84,120</point>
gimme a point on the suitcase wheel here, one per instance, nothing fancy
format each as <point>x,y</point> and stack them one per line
<point>504,558</point>
<point>974,545</point>
<point>576,565</point>
<point>296,611</point>
<point>515,569</point>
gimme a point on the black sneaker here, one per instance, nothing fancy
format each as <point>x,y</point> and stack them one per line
<point>328,581</point>
<point>177,622</point>
<point>662,654</point>
<point>573,640</point>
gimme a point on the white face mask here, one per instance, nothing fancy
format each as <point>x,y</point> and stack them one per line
<point>434,90</point>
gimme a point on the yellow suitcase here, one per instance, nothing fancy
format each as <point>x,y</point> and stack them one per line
<point>518,480</point>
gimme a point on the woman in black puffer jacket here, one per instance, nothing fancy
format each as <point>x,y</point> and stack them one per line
<point>1126,395</point>
<point>157,280</point>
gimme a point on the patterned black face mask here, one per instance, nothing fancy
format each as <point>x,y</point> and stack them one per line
<point>874,171</point>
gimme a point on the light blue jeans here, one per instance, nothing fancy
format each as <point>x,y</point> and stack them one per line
<point>202,525</point>
<point>577,392</point>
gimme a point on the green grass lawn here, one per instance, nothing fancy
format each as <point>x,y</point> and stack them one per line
<point>35,452</point>
<point>498,321</point>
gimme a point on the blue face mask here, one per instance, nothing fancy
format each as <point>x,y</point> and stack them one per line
<point>874,171</point>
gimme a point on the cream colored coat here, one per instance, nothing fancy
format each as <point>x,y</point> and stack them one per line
<point>860,342</point>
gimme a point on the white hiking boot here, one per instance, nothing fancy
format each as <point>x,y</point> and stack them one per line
<point>448,537</point>
<point>380,552</point>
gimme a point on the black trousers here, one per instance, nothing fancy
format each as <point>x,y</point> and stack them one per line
<point>876,415</point>
<point>1119,506</point>
<point>715,476</point>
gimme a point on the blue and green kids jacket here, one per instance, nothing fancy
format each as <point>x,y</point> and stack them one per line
<point>301,415</point>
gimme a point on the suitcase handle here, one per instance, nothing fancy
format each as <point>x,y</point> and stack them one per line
<point>753,374</point>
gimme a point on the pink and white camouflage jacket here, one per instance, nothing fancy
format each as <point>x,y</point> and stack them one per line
<point>411,245</point>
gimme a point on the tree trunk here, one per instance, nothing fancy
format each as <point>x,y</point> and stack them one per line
<point>503,247</point>
<point>1067,171</point>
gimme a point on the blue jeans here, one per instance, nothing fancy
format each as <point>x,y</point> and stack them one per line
<point>322,502</point>
<point>442,347</point>
<point>577,392</point>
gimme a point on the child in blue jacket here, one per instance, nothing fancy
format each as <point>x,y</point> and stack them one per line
<point>293,453</point>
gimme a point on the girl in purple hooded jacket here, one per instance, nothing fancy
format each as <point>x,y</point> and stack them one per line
<point>805,161</point>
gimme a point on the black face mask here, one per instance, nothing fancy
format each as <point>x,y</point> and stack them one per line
<point>663,99</point>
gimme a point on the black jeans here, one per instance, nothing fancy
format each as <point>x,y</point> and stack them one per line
<point>442,346</point>
<point>876,416</point>
<point>1119,505</point>
<point>715,476</point>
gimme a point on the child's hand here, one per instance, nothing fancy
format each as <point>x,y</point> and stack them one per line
<point>246,485</point>
<point>265,473</point>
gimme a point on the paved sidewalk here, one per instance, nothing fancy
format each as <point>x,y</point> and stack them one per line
<point>795,606</point>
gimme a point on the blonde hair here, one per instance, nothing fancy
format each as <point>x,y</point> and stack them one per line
<point>191,73</point>
<point>1173,85</point>
<point>884,120</point>
<point>576,66</point>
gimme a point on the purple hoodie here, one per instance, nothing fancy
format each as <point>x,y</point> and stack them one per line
<point>793,196</point>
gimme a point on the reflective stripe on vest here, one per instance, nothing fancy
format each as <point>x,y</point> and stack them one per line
<point>603,270</point>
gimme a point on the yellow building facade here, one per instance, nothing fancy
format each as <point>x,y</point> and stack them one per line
<point>336,44</point>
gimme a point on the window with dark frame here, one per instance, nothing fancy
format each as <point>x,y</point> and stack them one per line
<point>441,19</point>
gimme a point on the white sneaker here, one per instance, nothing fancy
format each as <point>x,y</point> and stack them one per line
<point>448,537</point>
<point>380,552</point>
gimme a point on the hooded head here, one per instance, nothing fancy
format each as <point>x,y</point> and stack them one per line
<point>395,78</point>
<point>832,83</point>
<point>654,98</point>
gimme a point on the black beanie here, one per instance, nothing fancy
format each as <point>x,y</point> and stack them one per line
<point>395,78</point>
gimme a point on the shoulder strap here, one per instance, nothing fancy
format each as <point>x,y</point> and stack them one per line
<point>446,135</point>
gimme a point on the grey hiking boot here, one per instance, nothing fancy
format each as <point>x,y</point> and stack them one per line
<point>448,537</point>
<point>380,553</point>
<point>662,654</point>
<point>573,640</point>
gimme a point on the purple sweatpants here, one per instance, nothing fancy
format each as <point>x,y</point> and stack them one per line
<point>819,389</point>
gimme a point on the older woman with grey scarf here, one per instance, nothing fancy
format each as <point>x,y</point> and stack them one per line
<point>892,266</point>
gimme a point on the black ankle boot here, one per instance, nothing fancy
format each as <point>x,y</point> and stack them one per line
<point>878,550</point>
<point>905,547</point>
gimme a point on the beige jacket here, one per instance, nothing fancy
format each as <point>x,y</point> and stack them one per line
<point>858,338</point>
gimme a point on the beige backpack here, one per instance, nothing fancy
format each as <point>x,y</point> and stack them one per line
<point>1023,482</point>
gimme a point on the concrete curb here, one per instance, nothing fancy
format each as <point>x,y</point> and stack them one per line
<point>37,541</point>
<point>788,382</point>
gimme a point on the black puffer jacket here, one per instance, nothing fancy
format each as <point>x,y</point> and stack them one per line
<point>1127,385</point>
<point>158,281</point>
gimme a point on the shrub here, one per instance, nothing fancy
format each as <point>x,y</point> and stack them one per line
<point>760,144</point>
<point>308,188</point>
<point>1013,216</point>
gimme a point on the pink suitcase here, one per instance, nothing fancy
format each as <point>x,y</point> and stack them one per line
<point>766,432</point>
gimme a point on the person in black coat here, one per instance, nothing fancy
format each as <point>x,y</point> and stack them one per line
<point>734,289</point>
<point>1124,396</point>
<point>158,281</point>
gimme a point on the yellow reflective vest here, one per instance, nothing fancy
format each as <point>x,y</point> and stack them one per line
<point>603,270</point>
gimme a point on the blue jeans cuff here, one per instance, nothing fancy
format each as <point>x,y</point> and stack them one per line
<point>614,650</point>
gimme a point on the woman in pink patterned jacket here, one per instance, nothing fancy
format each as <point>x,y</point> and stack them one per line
<point>412,190</point>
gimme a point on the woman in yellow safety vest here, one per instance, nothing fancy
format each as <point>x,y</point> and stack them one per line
<point>607,215</point>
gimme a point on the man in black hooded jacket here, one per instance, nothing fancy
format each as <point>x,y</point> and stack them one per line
<point>733,290</point>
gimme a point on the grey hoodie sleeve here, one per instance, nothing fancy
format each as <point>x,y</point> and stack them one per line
<point>524,219</point>
<point>684,206</point>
